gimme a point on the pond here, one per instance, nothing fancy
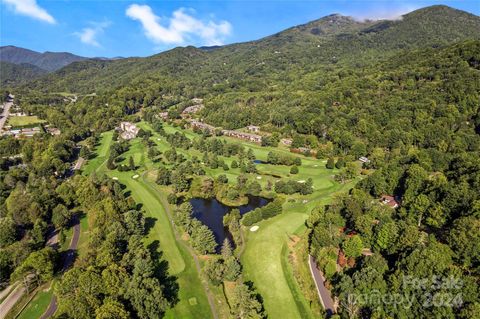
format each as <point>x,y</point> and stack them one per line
<point>210,212</point>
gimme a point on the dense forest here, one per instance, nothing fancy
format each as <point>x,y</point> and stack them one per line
<point>403,93</point>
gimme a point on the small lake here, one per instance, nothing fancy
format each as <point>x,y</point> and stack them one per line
<point>210,212</point>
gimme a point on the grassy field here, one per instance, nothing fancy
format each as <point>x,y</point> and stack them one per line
<point>265,257</point>
<point>100,154</point>
<point>38,305</point>
<point>19,121</point>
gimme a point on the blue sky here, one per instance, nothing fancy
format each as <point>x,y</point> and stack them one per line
<point>141,28</point>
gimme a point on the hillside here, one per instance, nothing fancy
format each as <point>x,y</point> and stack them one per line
<point>276,60</point>
<point>15,74</point>
<point>48,61</point>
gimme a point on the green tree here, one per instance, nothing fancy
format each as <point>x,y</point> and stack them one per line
<point>203,240</point>
<point>244,303</point>
<point>40,264</point>
<point>61,216</point>
<point>330,163</point>
<point>353,246</point>
<point>8,231</point>
<point>340,163</point>
<point>294,170</point>
<point>111,309</point>
<point>131,163</point>
<point>227,250</point>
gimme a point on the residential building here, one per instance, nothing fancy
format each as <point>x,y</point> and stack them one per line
<point>363,159</point>
<point>202,126</point>
<point>253,128</point>
<point>243,136</point>
<point>129,130</point>
<point>390,201</point>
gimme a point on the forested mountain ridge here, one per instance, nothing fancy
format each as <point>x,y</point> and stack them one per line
<point>13,74</point>
<point>48,61</point>
<point>275,60</point>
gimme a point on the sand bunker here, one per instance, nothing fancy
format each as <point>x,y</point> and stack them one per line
<point>135,176</point>
<point>115,178</point>
<point>254,228</point>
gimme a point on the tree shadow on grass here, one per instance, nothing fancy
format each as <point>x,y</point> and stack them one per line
<point>149,223</point>
<point>161,273</point>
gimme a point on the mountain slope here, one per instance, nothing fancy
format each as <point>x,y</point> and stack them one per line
<point>280,58</point>
<point>49,61</point>
<point>14,74</point>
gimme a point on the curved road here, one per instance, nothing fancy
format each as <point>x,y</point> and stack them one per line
<point>323,293</point>
<point>67,262</point>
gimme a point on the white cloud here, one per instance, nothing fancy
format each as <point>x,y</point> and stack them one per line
<point>384,13</point>
<point>31,9</point>
<point>180,27</point>
<point>89,35</point>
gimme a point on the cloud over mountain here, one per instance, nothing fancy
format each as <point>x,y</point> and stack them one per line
<point>180,27</point>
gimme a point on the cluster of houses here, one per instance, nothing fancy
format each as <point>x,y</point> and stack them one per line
<point>243,136</point>
<point>202,126</point>
<point>197,106</point>
<point>24,132</point>
<point>236,134</point>
<point>29,132</point>
<point>192,109</point>
<point>128,130</point>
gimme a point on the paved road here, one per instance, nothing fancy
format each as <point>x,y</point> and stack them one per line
<point>5,113</point>
<point>11,300</point>
<point>20,290</point>
<point>7,290</point>
<point>323,293</point>
<point>67,263</point>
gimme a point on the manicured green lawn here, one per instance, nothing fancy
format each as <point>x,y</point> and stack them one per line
<point>37,306</point>
<point>23,120</point>
<point>264,258</point>
<point>101,153</point>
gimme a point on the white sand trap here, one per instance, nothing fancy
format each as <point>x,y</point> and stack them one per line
<point>254,228</point>
<point>159,139</point>
<point>302,181</point>
<point>259,177</point>
<point>135,176</point>
<point>115,178</point>
<point>315,165</point>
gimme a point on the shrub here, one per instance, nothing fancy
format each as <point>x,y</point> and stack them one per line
<point>330,163</point>
<point>294,170</point>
